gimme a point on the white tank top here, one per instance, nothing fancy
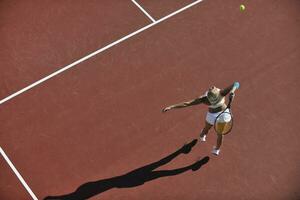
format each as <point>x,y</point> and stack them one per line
<point>218,104</point>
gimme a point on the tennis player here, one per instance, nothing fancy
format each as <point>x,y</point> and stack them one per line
<point>215,99</point>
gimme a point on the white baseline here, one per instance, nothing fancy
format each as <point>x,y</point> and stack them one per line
<point>95,53</point>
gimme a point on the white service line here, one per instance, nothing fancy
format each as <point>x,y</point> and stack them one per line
<point>18,174</point>
<point>95,53</point>
<point>143,10</point>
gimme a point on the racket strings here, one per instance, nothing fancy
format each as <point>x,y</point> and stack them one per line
<point>223,127</point>
<point>223,123</point>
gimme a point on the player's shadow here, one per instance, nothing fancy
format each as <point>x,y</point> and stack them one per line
<point>134,178</point>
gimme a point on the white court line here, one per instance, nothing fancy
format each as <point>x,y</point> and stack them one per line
<point>143,10</point>
<point>18,174</point>
<point>95,53</point>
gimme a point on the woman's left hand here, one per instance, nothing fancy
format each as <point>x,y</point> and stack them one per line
<point>166,109</point>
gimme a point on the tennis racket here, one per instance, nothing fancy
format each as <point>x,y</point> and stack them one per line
<point>224,121</point>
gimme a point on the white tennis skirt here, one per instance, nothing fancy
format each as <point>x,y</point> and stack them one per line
<point>211,117</point>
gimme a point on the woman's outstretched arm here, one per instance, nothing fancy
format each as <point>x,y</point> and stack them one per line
<point>196,101</point>
<point>231,89</point>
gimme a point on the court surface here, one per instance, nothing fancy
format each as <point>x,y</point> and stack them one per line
<point>83,83</point>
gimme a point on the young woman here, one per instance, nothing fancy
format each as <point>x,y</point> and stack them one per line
<point>215,99</point>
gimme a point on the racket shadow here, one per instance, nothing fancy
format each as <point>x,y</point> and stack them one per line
<point>134,178</point>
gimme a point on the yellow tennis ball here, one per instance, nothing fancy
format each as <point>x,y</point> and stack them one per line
<point>242,7</point>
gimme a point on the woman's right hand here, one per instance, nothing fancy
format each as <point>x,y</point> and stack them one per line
<point>231,96</point>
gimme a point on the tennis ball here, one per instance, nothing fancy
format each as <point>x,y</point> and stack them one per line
<point>242,7</point>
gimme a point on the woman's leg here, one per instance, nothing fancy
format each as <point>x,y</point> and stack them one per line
<point>205,130</point>
<point>216,149</point>
<point>219,141</point>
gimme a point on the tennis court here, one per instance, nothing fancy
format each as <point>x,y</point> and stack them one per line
<point>83,83</point>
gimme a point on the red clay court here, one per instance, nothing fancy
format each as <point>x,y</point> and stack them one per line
<point>82,85</point>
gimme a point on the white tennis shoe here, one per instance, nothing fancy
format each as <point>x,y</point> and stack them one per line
<point>215,151</point>
<point>203,139</point>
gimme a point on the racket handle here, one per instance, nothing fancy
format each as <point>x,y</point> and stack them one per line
<point>229,103</point>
